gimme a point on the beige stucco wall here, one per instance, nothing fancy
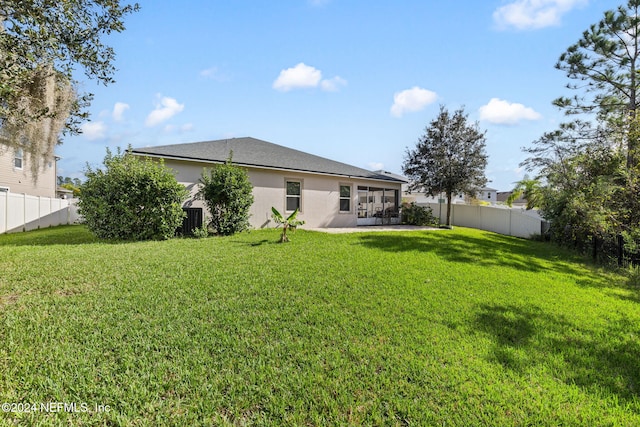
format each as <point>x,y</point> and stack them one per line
<point>320,194</point>
<point>21,180</point>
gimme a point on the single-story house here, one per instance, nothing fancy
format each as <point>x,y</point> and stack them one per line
<point>327,193</point>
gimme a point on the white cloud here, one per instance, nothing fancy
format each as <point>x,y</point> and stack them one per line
<point>333,85</point>
<point>165,109</point>
<point>187,127</point>
<point>499,111</point>
<point>118,111</point>
<point>533,14</point>
<point>411,100</point>
<point>209,73</point>
<point>214,73</point>
<point>94,130</point>
<point>304,76</point>
<point>300,76</point>
<point>376,166</point>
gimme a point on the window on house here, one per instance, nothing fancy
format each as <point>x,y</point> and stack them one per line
<point>294,195</point>
<point>17,160</point>
<point>345,198</point>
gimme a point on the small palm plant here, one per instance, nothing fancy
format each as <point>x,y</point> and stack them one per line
<point>290,222</point>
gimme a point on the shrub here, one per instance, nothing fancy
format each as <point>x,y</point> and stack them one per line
<point>227,192</point>
<point>131,199</point>
<point>200,232</point>
<point>412,214</point>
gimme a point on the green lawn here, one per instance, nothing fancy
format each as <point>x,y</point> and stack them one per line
<point>446,327</point>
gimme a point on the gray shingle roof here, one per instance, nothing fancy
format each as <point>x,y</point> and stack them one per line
<point>251,152</point>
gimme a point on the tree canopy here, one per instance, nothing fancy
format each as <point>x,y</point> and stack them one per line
<point>589,167</point>
<point>42,44</point>
<point>603,70</point>
<point>449,158</point>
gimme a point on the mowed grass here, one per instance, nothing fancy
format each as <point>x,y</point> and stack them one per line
<point>446,327</point>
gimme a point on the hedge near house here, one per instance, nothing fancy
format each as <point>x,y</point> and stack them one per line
<point>227,192</point>
<point>132,198</point>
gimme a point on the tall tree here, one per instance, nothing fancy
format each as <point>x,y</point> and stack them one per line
<point>604,66</point>
<point>590,167</point>
<point>449,158</point>
<point>42,42</point>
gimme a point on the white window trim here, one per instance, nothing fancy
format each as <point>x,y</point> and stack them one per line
<point>350,198</point>
<point>286,180</point>
<point>16,157</point>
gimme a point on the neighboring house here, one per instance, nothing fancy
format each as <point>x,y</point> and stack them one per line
<point>488,195</point>
<point>419,196</point>
<point>328,193</point>
<point>16,176</point>
<point>502,197</point>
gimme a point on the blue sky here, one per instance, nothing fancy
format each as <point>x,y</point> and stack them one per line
<point>354,81</point>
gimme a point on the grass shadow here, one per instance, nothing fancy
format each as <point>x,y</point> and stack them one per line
<point>527,337</point>
<point>482,248</point>
<point>60,235</point>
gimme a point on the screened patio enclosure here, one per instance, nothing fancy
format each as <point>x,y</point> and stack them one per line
<point>378,205</point>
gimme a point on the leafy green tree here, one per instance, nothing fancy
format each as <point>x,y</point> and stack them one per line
<point>68,180</point>
<point>132,198</point>
<point>589,167</point>
<point>289,223</point>
<point>41,44</point>
<point>227,192</point>
<point>449,158</point>
<point>71,187</point>
<point>582,180</point>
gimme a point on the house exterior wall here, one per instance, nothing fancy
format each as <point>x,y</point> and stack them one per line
<point>320,198</point>
<point>488,195</point>
<point>21,181</point>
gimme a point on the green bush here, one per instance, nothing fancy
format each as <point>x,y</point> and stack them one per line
<point>131,199</point>
<point>412,214</point>
<point>227,192</point>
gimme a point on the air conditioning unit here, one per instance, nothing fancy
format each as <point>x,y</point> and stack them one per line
<point>4,189</point>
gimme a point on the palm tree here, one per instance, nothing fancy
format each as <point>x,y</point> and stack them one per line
<point>528,188</point>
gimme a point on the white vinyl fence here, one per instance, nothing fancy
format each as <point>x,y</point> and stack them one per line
<point>511,222</point>
<point>20,212</point>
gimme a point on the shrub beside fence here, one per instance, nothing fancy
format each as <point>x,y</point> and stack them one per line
<point>613,250</point>
<point>21,212</point>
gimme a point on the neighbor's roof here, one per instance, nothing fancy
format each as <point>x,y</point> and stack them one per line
<point>251,152</point>
<point>392,175</point>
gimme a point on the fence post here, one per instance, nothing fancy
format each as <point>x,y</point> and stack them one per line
<point>6,211</point>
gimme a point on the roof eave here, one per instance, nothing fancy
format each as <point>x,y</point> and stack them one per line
<point>256,166</point>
